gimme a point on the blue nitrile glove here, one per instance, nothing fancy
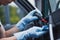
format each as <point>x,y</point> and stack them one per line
<point>32,32</point>
<point>27,19</point>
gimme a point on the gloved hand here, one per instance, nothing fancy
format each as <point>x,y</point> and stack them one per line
<point>32,32</point>
<point>27,19</point>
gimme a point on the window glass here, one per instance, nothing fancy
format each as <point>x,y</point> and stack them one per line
<point>11,13</point>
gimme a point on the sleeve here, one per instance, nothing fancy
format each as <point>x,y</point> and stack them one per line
<point>20,25</point>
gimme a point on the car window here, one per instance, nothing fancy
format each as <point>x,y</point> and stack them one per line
<point>11,13</point>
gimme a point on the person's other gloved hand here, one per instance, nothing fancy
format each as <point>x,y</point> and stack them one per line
<point>27,19</point>
<point>32,32</point>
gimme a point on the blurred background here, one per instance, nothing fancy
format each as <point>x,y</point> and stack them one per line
<point>9,11</point>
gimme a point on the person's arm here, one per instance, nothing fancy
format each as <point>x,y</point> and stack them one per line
<point>11,31</point>
<point>2,30</point>
<point>9,38</point>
